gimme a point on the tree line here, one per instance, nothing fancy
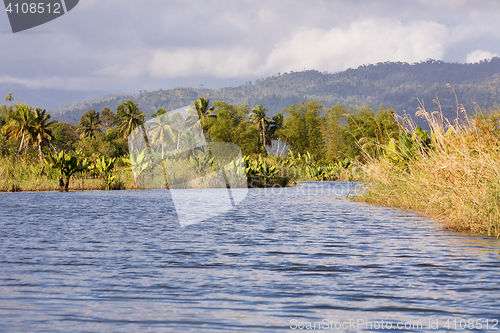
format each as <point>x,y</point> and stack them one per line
<point>327,136</point>
<point>330,134</point>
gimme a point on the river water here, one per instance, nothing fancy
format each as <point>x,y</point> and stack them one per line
<point>283,260</point>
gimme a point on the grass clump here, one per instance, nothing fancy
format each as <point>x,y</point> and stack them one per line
<point>452,175</point>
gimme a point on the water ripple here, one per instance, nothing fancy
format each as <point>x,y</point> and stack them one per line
<point>119,261</point>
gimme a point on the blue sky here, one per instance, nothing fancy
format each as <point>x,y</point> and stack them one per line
<point>125,45</point>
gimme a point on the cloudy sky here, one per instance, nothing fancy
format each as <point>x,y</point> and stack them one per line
<point>132,45</point>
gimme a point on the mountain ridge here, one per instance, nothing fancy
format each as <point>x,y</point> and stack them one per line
<point>395,84</point>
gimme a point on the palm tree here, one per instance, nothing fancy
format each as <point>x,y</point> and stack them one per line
<point>276,126</point>
<point>191,139</point>
<point>179,125</point>
<point>258,117</point>
<point>20,125</point>
<point>89,124</point>
<point>129,118</point>
<point>161,132</point>
<point>192,119</point>
<point>41,130</point>
<point>158,113</point>
<point>201,107</point>
<point>5,110</point>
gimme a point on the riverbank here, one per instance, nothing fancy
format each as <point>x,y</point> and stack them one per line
<point>452,175</point>
<point>17,176</point>
<point>19,173</point>
<point>78,184</point>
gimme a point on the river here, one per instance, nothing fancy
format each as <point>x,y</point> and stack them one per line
<point>282,260</point>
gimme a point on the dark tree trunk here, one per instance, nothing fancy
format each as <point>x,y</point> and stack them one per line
<point>61,183</point>
<point>66,186</point>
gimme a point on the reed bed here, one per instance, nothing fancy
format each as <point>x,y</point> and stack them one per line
<point>456,181</point>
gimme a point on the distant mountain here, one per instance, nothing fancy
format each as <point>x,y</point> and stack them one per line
<point>45,98</point>
<point>397,85</point>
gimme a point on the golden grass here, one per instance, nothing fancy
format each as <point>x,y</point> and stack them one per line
<point>457,183</point>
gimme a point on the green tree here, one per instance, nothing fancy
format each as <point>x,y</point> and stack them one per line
<point>201,106</point>
<point>90,124</point>
<point>20,125</point>
<point>258,117</point>
<point>111,144</point>
<point>64,135</point>
<point>41,130</point>
<point>2,119</point>
<point>275,131</point>
<point>116,141</point>
<point>108,119</point>
<point>302,128</point>
<point>161,132</point>
<point>5,109</point>
<point>158,113</point>
<point>332,131</point>
<point>9,98</point>
<point>366,130</point>
<point>231,124</point>
<point>129,118</point>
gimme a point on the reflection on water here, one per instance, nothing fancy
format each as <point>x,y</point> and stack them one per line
<point>119,261</point>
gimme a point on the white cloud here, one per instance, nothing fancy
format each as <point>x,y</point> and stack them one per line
<point>126,63</point>
<point>479,55</point>
<point>185,62</point>
<point>362,42</point>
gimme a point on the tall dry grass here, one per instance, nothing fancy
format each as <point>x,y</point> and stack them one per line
<point>457,181</point>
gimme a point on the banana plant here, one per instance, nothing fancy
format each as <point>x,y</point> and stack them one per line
<point>104,166</point>
<point>235,167</point>
<point>201,161</point>
<point>67,166</point>
<point>332,172</point>
<point>267,171</point>
<point>140,162</point>
<point>308,158</point>
<point>251,168</point>
<point>315,171</point>
<point>260,170</point>
<point>408,147</point>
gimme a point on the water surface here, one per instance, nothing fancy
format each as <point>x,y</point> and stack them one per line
<point>120,262</point>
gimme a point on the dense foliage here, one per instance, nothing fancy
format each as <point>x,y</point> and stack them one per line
<point>304,141</point>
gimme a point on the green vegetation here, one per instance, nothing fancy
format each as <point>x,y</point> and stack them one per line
<point>451,174</point>
<point>67,167</point>
<point>309,143</point>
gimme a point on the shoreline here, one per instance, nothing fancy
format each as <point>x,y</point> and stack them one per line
<point>55,188</point>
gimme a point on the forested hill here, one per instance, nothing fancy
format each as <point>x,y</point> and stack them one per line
<point>397,85</point>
